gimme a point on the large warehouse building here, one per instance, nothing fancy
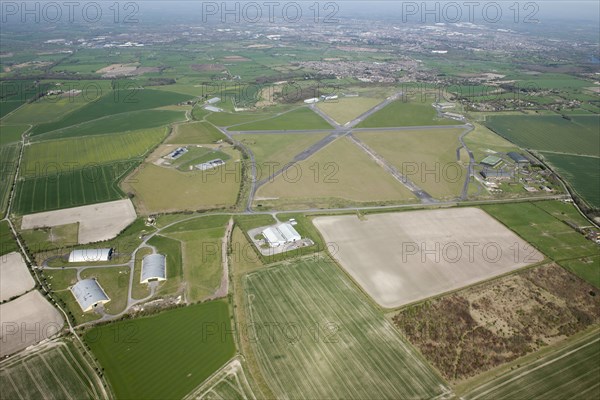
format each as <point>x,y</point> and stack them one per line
<point>90,255</point>
<point>154,268</point>
<point>281,234</point>
<point>89,294</point>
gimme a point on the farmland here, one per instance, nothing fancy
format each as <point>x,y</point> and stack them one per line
<point>345,109</point>
<point>404,113</point>
<point>56,156</point>
<point>426,157</point>
<point>300,118</point>
<point>329,341</point>
<point>582,173</point>
<point>428,256</point>
<point>54,371</point>
<point>140,363</point>
<point>8,243</point>
<point>115,102</point>
<point>579,135</point>
<point>93,184</point>
<point>338,174</point>
<point>570,372</point>
<point>9,155</point>
<point>118,123</point>
<point>549,234</point>
<point>479,328</point>
<point>11,133</point>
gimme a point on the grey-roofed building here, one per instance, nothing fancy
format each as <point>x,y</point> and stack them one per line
<point>154,268</point>
<point>90,255</point>
<point>89,294</point>
<point>489,173</point>
<point>518,158</point>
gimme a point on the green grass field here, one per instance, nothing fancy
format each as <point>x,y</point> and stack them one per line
<point>581,173</point>
<point>227,118</point>
<point>9,155</point>
<point>550,133</point>
<point>402,113</point>
<point>570,372</point>
<point>551,236</point>
<point>329,341</point>
<point>426,157</point>
<point>195,133</point>
<point>54,156</point>
<point>11,133</point>
<point>345,109</point>
<point>191,190</point>
<point>481,139</point>
<point>340,172</point>
<point>164,356</point>
<point>8,243</point>
<point>56,372</point>
<point>272,152</point>
<point>115,102</point>
<point>132,121</point>
<point>301,118</point>
<point>201,254</point>
<point>90,185</point>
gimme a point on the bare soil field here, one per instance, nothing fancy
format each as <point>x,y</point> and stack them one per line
<point>477,329</point>
<point>399,258</point>
<point>15,278</point>
<point>97,222</point>
<point>26,321</point>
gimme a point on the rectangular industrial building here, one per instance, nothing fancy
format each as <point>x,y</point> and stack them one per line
<point>491,161</point>
<point>281,234</point>
<point>518,158</point>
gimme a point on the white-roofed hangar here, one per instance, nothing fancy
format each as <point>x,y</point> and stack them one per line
<point>89,294</point>
<point>154,268</point>
<point>281,234</point>
<point>90,255</point>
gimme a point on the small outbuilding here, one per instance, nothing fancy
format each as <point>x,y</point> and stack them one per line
<point>90,255</point>
<point>89,294</point>
<point>154,268</point>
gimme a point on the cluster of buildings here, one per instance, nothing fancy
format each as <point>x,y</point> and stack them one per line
<point>89,294</point>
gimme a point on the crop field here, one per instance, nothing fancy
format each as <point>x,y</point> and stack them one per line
<point>428,256</point>
<point>426,157</point>
<point>338,173</point>
<point>472,331</point>
<point>47,109</point>
<point>345,109</point>
<point>90,185</point>
<point>328,341</point>
<point>164,356</point>
<point>132,121</point>
<point>116,102</point>
<point>276,150</point>
<point>230,383</point>
<point>195,133</point>
<point>11,133</point>
<point>403,113</point>
<point>56,371</point>
<point>300,118</point>
<point>550,133</point>
<point>9,155</point>
<point>192,190</point>
<point>8,243</point>
<point>548,234</point>
<point>35,320</point>
<point>581,172</point>
<point>569,373</point>
<point>50,157</point>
